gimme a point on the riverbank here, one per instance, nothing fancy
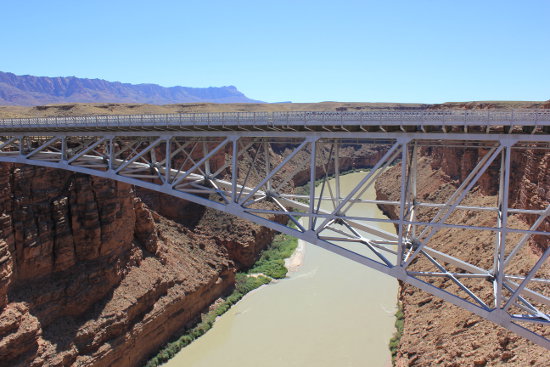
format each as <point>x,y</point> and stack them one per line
<point>270,265</point>
<point>296,260</point>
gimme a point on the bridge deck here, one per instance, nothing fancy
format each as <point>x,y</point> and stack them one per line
<point>488,121</point>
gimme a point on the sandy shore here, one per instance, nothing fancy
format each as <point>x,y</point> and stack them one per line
<point>297,258</point>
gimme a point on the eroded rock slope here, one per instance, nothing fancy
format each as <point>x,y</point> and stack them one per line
<point>436,332</point>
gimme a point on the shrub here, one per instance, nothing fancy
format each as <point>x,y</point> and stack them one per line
<point>274,269</point>
<point>272,263</point>
<point>399,324</point>
<point>245,283</point>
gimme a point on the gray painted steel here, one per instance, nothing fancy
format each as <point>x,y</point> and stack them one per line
<point>245,163</point>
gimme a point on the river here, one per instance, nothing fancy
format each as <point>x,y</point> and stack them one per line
<point>331,312</point>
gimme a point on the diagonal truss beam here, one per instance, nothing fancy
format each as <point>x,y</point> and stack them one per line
<point>201,162</point>
<point>527,236</point>
<point>86,150</point>
<point>139,155</point>
<point>527,279</point>
<point>42,147</point>
<point>270,175</point>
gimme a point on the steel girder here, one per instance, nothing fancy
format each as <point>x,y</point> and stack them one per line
<point>256,175</point>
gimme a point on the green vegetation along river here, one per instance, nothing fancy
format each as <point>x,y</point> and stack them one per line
<point>330,312</point>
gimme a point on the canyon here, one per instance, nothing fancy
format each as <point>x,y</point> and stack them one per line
<point>91,269</point>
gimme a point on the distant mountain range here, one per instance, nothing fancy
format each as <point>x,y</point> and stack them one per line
<point>28,90</point>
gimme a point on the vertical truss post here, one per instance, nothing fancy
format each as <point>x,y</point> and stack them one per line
<point>413,174</point>
<point>267,165</point>
<point>504,188</point>
<point>337,171</point>
<point>402,201</point>
<point>168,161</point>
<point>206,162</point>
<point>63,149</point>
<point>153,162</point>
<point>234,169</point>
<point>21,147</point>
<point>312,164</point>
<point>111,152</point>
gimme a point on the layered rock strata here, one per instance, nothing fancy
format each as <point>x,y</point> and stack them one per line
<point>89,275</point>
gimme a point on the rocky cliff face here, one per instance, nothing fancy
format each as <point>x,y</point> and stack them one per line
<point>90,276</point>
<point>531,188</point>
<point>529,178</point>
<point>436,332</point>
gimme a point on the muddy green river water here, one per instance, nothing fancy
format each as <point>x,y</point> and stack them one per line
<point>331,312</point>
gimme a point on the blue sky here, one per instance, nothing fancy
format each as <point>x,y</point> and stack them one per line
<point>302,51</point>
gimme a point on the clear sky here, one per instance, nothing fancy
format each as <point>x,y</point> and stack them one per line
<point>301,51</point>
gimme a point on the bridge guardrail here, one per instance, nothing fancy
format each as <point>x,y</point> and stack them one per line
<point>293,118</point>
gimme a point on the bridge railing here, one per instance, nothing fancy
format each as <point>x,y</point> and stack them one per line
<point>292,118</point>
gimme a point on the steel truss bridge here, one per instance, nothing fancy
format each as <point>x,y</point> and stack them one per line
<point>248,165</point>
